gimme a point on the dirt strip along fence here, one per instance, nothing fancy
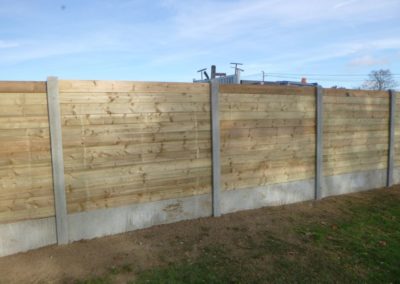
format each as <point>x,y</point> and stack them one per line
<point>136,154</point>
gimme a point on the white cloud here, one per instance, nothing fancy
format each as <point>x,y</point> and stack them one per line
<point>331,51</point>
<point>264,34</point>
<point>367,61</point>
<point>344,4</point>
<point>224,19</point>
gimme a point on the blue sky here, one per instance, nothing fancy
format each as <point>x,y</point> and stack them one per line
<point>168,40</point>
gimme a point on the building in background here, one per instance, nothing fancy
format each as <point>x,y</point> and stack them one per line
<point>222,78</point>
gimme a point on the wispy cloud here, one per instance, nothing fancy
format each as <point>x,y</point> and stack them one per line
<point>368,61</point>
<point>223,19</point>
<point>340,5</point>
<point>182,36</point>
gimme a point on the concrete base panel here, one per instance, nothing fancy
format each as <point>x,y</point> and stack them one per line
<point>27,235</point>
<point>353,182</point>
<point>103,222</point>
<point>396,175</point>
<point>270,195</point>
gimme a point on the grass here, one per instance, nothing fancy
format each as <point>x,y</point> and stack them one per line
<point>368,240</point>
<point>361,244</point>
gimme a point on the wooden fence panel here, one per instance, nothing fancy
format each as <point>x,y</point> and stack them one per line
<point>130,142</point>
<point>25,162</point>
<point>267,135</point>
<point>355,131</point>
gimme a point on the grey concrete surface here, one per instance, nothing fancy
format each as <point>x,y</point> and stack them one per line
<point>270,195</point>
<point>353,182</point>
<point>27,235</point>
<point>103,222</point>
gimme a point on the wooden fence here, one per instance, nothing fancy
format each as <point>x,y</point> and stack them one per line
<point>267,135</point>
<point>26,190</point>
<point>135,142</point>
<point>128,142</point>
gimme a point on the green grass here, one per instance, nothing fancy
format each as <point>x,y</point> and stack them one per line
<point>368,239</point>
<point>272,260</point>
<point>362,245</point>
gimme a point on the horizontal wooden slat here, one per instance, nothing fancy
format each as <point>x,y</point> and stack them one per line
<point>22,87</point>
<point>24,122</point>
<point>22,110</point>
<point>230,115</point>
<point>28,212</point>
<point>23,99</point>
<point>355,93</point>
<point>355,121</point>
<point>262,123</point>
<point>133,97</point>
<point>126,196</point>
<point>141,178</point>
<point>262,181</point>
<point>265,98</point>
<point>267,148</point>
<point>94,86</point>
<point>132,118</point>
<point>267,89</point>
<point>357,114</point>
<point>116,134</point>
<point>351,128</point>
<point>80,109</point>
<point>335,170</point>
<point>364,100</point>
<point>263,107</point>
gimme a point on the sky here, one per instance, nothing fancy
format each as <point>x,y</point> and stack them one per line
<point>332,42</point>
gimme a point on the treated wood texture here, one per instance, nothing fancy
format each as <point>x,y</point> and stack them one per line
<point>131,142</point>
<point>267,135</point>
<point>397,132</point>
<point>25,164</point>
<point>22,87</point>
<point>356,131</point>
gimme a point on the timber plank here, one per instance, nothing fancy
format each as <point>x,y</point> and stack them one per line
<point>96,86</point>
<point>133,97</point>
<point>132,118</point>
<point>153,107</point>
<point>355,93</point>
<point>265,89</point>
<point>22,87</point>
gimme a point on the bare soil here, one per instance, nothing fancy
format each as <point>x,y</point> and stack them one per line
<point>164,245</point>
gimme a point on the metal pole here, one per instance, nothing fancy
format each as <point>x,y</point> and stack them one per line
<point>392,122</point>
<point>57,160</point>
<point>215,136</point>
<point>213,71</point>
<point>319,142</point>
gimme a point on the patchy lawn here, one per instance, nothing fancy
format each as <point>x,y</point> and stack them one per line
<point>351,238</point>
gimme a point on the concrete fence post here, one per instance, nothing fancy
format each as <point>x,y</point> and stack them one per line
<point>215,137</point>
<point>319,120</point>
<point>392,122</point>
<point>57,160</point>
